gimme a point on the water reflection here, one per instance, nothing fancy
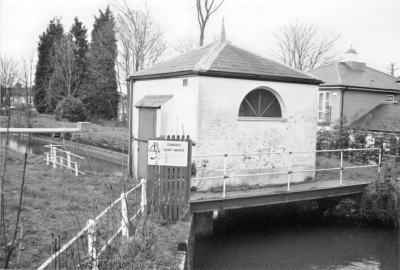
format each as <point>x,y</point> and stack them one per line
<point>259,245</point>
<point>36,146</point>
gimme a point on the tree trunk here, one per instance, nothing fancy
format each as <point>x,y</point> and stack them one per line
<point>202,35</point>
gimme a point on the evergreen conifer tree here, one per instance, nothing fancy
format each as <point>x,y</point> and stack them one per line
<point>102,94</point>
<point>42,98</point>
<point>81,48</point>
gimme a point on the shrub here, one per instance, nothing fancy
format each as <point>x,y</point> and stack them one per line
<point>70,109</point>
<point>379,203</point>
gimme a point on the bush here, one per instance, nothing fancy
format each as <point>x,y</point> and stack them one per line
<point>70,109</point>
<point>379,204</point>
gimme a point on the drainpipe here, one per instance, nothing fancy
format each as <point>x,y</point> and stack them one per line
<point>130,125</point>
<point>341,115</point>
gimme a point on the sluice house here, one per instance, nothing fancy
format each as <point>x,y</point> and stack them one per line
<point>229,101</point>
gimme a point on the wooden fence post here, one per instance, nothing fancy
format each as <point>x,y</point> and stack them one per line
<point>76,169</point>
<point>124,214</point>
<point>91,243</point>
<point>144,198</point>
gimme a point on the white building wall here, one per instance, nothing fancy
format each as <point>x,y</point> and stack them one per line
<point>177,116</point>
<point>220,132</point>
<point>207,110</point>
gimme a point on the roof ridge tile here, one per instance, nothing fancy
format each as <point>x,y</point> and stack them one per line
<point>208,58</point>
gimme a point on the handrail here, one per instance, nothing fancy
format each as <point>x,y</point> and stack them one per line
<point>289,171</point>
<point>286,152</point>
<point>59,150</point>
<point>55,255</point>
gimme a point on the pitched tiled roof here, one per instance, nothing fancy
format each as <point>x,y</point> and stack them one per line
<point>340,74</point>
<point>152,101</point>
<point>222,59</point>
<point>384,117</point>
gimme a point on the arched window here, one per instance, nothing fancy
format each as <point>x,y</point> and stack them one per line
<point>260,103</point>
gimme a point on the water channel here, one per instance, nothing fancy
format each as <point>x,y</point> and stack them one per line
<point>92,161</point>
<point>259,241</point>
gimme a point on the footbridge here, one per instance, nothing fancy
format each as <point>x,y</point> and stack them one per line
<point>241,180</point>
<point>337,173</point>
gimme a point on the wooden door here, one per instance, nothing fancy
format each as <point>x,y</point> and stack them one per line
<point>147,129</point>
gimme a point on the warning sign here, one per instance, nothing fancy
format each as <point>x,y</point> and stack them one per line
<point>167,153</point>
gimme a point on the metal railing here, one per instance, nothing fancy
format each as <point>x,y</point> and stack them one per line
<point>56,159</point>
<point>289,172</point>
<point>90,227</point>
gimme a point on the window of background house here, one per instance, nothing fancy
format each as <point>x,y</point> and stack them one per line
<point>390,98</point>
<point>260,103</point>
<point>323,106</point>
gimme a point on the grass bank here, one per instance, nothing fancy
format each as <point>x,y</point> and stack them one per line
<point>58,203</point>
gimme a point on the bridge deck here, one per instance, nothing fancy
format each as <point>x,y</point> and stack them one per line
<point>208,201</point>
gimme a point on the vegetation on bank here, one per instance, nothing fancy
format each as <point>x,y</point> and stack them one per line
<point>59,204</point>
<point>107,137</point>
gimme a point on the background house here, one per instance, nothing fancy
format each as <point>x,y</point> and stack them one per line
<point>352,89</point>
<point>228,100</point>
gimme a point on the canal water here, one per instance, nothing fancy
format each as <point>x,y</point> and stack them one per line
<point>259,241</point>
<point>91,163</point>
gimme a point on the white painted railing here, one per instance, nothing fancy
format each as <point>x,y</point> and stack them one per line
<point>55,159</point>
<point>289,172</point>
<point>91,227</point>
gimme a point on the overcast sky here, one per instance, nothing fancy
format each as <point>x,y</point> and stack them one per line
<point>372,27</point>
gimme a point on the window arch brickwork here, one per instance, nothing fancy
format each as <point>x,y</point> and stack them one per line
<point>260,103</point>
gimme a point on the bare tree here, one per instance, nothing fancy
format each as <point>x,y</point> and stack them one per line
<point>204,11</point>
<point>26,77</point>
<point>392,68</point>
<point>63,64</point>
<point>142,42</point>
<point>305,46</point>
<point>9,74</point>
<point>186,44</point>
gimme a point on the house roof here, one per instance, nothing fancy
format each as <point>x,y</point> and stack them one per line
<point>341,74</point>
<point>384,117</point>
<point>222,59</point>
<point>152,101</point>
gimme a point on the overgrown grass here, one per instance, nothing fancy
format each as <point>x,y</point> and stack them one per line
<point>60,204</point>
<point>54,202</point>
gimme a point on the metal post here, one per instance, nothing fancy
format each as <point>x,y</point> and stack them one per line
<point>54,157</point>
<point>380,160</point>
<point>69,159</point>
<point>341,168</point>
<point>124,214</point>
<point>51,151</point>
<point>91,242</point>
<point>144,199</point>
<point>289,172</point>
<point>47,158</point>
<point>225,176</point>
<point>76,169</point>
